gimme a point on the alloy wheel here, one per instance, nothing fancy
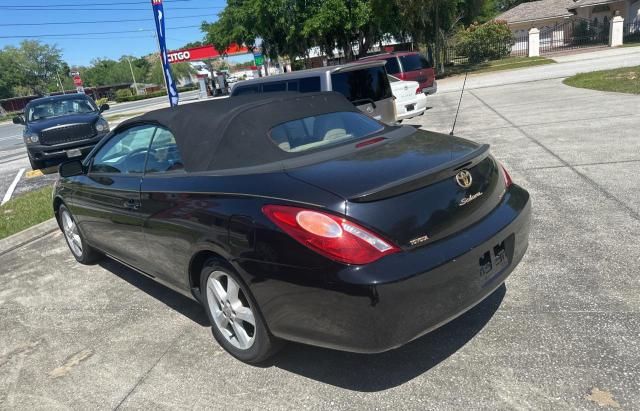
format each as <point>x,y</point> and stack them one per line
<point>231,311</point>
<point>71,233</point>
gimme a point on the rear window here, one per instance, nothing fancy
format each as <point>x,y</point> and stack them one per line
<point>322,130</point>
<point>361,86</point>
<point>393,67</point>
<point>413,62</point>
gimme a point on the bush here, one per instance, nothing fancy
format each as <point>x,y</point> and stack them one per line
<point>102,101</point>
<point>187,88</point>
<point>489,41</point>
<point>123,94</point>
<point>140,97</point>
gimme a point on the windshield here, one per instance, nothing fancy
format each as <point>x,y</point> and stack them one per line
<point>57,108</point>
<point>323,130</point>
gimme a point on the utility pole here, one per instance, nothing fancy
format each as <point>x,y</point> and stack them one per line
<point>135,84</point>
<point>60,82</point>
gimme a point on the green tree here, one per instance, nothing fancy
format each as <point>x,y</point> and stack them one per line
<point>11,75</point>
<point>40,63</point>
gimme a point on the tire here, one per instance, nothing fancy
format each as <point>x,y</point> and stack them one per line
<point>81,251</point>
<point>36,165</point>
<point>231,314</point>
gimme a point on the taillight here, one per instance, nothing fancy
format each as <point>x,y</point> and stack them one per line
<point>334,237</point>
<point>507,178</point>
<point>419,90</point>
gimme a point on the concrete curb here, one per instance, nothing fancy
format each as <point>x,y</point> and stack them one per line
<point>26,236</point>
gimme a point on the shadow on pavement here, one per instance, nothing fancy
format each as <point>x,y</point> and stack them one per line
<point>377,372</point>
<point>357,372</point>
<point>174,300</point>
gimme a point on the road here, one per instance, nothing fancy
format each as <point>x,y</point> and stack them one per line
<point>562,334</point>
<point>13,156</point>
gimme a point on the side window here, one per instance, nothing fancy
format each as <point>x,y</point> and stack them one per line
<point>309,84</point>
<point>124,153</point>
<point>164,156</point>
<point>275,86</point>
<point>242,90</point>
<point>292,85</point>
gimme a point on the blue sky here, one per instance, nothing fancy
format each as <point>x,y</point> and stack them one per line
<point>133,37</point>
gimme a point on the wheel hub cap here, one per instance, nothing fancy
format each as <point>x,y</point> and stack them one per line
<point>232,314</point>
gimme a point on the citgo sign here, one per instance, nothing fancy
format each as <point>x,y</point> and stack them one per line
<point>203,53</point>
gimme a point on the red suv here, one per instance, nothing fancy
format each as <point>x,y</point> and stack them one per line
<point>410,66</point>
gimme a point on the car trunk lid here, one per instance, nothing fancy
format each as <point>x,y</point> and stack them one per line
<point>413,190</point>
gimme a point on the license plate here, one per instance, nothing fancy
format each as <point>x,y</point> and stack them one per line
<point>410,107</point>
<point>493,261</point>
<point>74,153</point>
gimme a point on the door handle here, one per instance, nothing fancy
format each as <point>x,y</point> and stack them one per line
<point>132,204</point>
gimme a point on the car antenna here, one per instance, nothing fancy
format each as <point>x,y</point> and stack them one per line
<point>459,102</point>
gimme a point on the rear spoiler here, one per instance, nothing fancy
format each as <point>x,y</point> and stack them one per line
<point>425,178</point>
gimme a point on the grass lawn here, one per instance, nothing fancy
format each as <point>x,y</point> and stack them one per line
<point>25,211</point>
<point>623,80</point>
<point>509,63</point>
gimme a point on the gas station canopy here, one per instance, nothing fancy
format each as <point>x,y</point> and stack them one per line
<point>203,53</point>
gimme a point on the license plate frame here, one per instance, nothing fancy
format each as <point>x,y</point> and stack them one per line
<point>494,261</point>
<point>73,153</point>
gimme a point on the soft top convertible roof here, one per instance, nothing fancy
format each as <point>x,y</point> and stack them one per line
<point>233,132</point>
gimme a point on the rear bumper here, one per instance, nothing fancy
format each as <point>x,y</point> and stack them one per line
<point>433,89</point>
<point>391,302</point>
<point>420,106</point>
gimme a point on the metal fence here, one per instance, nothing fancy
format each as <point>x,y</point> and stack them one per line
<point>466,53</point>
<point>631,33</point>
<point>572,35</point>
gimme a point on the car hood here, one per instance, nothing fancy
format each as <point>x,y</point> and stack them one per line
<point>37,126</point>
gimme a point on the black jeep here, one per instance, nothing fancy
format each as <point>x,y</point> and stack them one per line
<point>61,127</point>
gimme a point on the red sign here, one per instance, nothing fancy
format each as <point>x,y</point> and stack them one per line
<point>203,53</point>
<point>77,81</point>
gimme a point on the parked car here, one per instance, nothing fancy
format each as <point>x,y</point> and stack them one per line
<point>61,127</point>
<point>410,100</point>
<point>409,66</point>
<point>364,84</point>
<point>297,217</point>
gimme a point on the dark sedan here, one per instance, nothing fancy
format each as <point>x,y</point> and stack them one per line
<point>297,217</point>
<point>60,127</point>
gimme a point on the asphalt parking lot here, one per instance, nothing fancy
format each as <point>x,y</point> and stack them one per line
<point>562,334</point>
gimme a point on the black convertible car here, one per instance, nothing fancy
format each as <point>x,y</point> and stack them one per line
<point>296,217</point>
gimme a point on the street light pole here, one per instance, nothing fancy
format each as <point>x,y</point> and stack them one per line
<point>60,82</point>
<point>135,85</point>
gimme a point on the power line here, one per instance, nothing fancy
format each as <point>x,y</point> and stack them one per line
<point>98,21</point>
<point>47,6</point>
<point>32,8</point>
<point>92,33</point>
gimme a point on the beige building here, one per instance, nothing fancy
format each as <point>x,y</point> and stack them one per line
<point>548,14</point>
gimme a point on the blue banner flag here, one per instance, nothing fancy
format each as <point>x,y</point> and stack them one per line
<point>158,16</point>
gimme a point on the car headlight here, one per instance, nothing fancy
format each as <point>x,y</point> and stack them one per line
<point>30,138</point>
<point>102,125</point>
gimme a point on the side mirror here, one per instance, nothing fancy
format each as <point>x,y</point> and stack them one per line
<point>71,168</point>
<point>104,108</point>
<point>18,120</point>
